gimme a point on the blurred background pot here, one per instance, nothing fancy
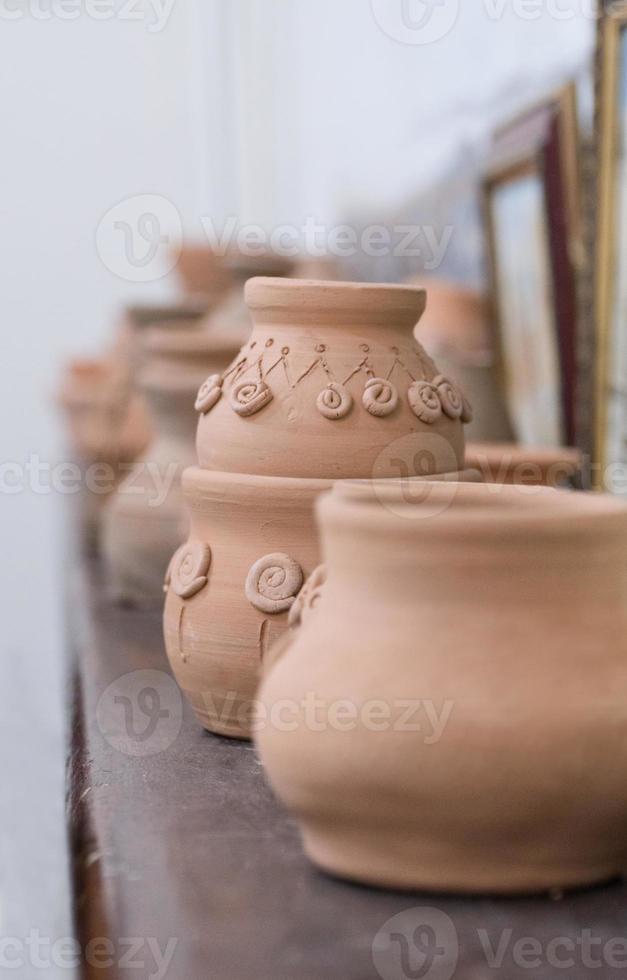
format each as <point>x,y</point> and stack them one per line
<point>466,655</point>
<point>330,385</point>
<point>147,520</point>
<point>526,465</point>
<point>455,330</point>
<point>106,429</point>
<point>231,316</point>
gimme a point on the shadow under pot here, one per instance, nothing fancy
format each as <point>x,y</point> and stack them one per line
<point>443,716</point>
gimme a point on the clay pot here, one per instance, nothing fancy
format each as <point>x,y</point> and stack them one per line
<point>147,519</point>
<point>330,377</point>
<point>107,431</point>
<point>529,466</point>
<point>202,272</point>
<point>455,330</point>
<point>330,385</point>
<point>452,683</point>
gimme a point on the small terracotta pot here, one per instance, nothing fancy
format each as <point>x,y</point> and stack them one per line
<point>330,385</point>
<point>106,430</point>
<point>452,683</point>
<point>147,520</point>
<point>525,465</point>
<point>202,272</point>
<point>330,379</point>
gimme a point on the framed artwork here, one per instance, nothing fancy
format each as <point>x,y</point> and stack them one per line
<point>610,447</point>
<point>532,213</point>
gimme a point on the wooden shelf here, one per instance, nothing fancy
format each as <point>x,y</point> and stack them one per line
<point>189,844</point>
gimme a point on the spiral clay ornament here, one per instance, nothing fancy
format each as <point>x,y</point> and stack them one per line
<point>273,583</point>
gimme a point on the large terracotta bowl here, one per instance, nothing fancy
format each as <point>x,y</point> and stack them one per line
<point>449,714</point>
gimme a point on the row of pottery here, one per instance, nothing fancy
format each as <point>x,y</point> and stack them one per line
<point>330,386</point>
<point>447,712</point>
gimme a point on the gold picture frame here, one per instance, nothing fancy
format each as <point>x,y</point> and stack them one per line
<point>538,148</point>
<point>612,34</point>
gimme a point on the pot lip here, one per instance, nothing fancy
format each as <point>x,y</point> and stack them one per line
<point>493,453</point>
<point>469,510</point>
<point>186,341</point>
<point>152,315</point>
<point>224,485</point>
<point>310,296</point>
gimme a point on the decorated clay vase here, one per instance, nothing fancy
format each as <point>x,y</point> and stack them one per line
<point>331,385</point>
<point>443,715</point>
<point>456,331</point>
<point>330,377</point>
<point>526,465</point>
<point>147,519</point>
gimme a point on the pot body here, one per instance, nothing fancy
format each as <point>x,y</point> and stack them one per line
<point>252,543</point>
<point>466,663</point>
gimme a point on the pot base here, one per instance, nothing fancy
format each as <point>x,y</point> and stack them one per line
<point>385,858</point>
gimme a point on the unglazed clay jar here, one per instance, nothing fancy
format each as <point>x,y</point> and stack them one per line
<point>201,271</point>
<point>107,431</point>
<point>147,519</point>
<point>525,465</point>
<point>330,378</point>
<point>331,384</point>
<point>252,543</point>
<point>449,713</point>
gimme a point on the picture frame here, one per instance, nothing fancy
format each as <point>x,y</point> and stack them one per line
<point>533,220</point>
<point>610,431</point>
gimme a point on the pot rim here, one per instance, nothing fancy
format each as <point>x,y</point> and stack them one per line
<point>186,341</point>
<point>275,300</point>
<point>468,510</point>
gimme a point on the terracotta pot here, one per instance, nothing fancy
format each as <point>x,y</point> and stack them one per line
<point>328,386</point>
<point>107,431</point>
<point>202,272</point>
<point>330,378</point>
<point>147,520</point>
<point>456,331</point>
<point>525,465</point>
<point>453,684</point>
